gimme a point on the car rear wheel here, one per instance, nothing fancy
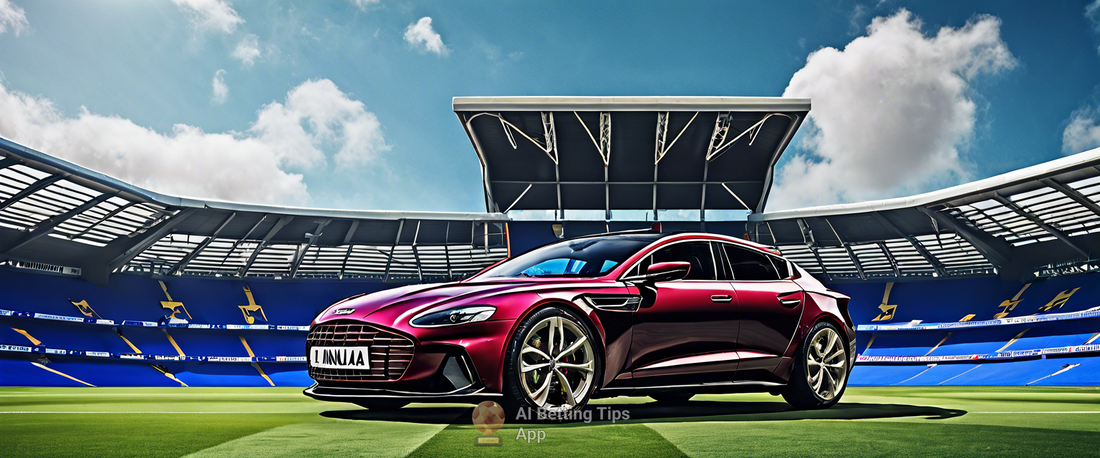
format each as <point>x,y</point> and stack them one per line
<point>820,372</point>
<point>552,363</point>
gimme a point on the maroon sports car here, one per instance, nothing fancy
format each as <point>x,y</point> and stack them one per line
<point>636,313</point>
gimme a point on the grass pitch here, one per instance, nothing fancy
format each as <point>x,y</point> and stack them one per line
<point>266,422</point>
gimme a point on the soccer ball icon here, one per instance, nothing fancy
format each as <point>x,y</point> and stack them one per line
<point>488,417</point>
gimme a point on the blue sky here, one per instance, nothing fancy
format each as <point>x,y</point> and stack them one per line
<point>114,84</point>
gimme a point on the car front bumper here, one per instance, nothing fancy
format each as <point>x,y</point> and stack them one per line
<point>450,364</point>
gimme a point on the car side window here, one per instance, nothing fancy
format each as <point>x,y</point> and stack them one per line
<point>724,272</point>
<point>782,267</point>
<point>697,254</point>
<point>750,265</point>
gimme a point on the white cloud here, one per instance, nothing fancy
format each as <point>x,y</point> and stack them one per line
<point>263,164</point>
<point>890,110</point>
<point>1092,13</point>
<point>1083,132</point>
<point>13,18</point>
<point>365,4</point>
<point>248,50</point>
<point>332,118</point>
<point>221,91</point>
<point>421,34</point>
<point>214,15</point>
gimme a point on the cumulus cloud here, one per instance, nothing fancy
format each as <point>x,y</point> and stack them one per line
<point>213,15</point>
<point>263,164</point>
<point>420,34</point>
<point>365,4</point>
<point>248,50</point>
<point>317,113</point>
<point>221,91</point>
<point>890,111</point>
<point>1083,131</point>
<point>13,18</point>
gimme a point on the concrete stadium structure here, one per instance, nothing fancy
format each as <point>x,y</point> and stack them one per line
<point>108,284</point>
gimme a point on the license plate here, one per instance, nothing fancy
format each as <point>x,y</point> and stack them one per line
<point>340,357</point>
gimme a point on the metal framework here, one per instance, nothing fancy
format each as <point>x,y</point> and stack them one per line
<point>64,218</point>
<point>514,180</point>
<point>1042,220</point>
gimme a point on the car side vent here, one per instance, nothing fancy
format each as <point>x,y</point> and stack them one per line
<point>613,302</point>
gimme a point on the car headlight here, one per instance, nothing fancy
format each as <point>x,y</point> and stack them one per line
<point>453,317</point>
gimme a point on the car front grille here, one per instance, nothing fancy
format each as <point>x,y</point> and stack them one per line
<point>390,353</point>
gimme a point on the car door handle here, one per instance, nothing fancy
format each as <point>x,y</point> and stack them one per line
<point>721,298</point>
<point>790,302</point>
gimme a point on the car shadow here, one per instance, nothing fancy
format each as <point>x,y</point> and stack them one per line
<point>653,412</point>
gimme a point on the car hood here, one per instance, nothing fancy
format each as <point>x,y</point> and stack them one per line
<point>398,304</point>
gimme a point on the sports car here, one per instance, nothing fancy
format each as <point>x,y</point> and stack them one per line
<point>635,313</point>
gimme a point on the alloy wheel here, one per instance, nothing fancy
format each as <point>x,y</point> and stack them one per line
<point>556,364</point>
<point>826,366</point>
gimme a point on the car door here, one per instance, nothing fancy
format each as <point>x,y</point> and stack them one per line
<point>769,302</point>
<point>685,326</point>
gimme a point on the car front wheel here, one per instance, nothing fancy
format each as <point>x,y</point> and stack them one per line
<point>552,363</point>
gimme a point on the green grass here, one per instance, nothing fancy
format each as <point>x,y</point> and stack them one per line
<point>982,421</point>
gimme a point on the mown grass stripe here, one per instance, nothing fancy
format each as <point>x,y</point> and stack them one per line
<point>328,438</point>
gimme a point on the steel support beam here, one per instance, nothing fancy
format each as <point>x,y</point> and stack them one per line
<point>550,132</point>
<point>186,259</point>
<point>997,252</point>
<point>447,250</point>
<point>936,264</point>
<point>486,181</point>
<point>890,257</point>
<point>347,241</point>
<point>718,135</point>
<point>149,239</point>
<point>847,248</point>
<point>47,226</point>
<point>31,189</point>
<point>281,223</point>
<point>795,122</point>
<point>396,240</point>
<point>304,250</point>
<point>1039,222</point>
<point>416,254</point>
<point>106,217</point>
<point>811,243</point>
<point>238,243</point>
<point>1072,194</point>
<point>8,162</point>
<point>855,260</point>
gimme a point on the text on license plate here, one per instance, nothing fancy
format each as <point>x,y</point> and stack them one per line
<point>340,357</point>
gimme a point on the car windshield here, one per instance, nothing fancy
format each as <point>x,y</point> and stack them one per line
<point>587,257</point>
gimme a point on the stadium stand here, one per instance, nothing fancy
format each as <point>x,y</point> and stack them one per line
<point>103,283</point>
<point>1041,333</point>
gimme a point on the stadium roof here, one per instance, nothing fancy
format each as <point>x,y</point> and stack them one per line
<point>637,153</point>
<point>1044,218</point>
<point>56,214</point>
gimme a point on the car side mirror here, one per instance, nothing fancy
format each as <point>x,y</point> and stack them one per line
<point>663,271</point>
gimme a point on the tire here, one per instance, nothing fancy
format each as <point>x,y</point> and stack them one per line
<point>382,405</point>
<point>672,398</point>
<point>579,362</point>
<point>809,386</point>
